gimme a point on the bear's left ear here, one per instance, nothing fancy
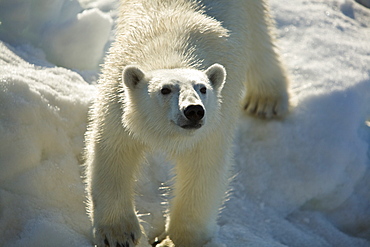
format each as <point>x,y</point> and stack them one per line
<point>216,74</point>
<point>131,76</point>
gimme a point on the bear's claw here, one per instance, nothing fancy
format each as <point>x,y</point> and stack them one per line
<point>124,232</point>
<point>118,235</point>
<point>266,107</point>
<point>126,244</point>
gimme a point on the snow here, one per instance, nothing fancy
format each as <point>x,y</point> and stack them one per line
<point>299,181</point>
<point>69,35</point>
<point>364,2</point>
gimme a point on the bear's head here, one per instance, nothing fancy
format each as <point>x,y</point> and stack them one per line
<point>171,101</point>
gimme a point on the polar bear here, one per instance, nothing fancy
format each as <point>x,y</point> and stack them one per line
<point>176,79</point>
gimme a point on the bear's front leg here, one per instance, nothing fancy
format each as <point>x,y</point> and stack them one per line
<point>201,182</point>
<point>112,173</point>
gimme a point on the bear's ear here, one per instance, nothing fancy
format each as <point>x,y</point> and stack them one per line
<point>216,74</point>
<point>131,76</point>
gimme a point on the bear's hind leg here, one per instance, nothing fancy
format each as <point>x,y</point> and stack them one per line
<point>267,81</point>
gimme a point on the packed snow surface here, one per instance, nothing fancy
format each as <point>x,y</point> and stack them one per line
<point>299,181</point>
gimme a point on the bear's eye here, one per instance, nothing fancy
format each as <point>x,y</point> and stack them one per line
<point>203,90</point>
<point>165,91</point>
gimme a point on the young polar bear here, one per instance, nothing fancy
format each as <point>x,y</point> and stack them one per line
<point>175,81</point>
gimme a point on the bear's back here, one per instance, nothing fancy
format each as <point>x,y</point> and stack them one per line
<point>162,34</point>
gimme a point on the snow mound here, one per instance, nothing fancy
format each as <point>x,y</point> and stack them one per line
<point>41,196</point>
<point>70,36</point>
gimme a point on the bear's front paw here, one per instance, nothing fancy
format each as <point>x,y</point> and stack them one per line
<point>266,106</point>
<point>118,235</point>
<point>165,243</point>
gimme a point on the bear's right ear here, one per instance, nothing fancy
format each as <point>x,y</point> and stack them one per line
<point>131,76</point>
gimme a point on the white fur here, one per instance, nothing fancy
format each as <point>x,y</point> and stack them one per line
<point>175,44</point>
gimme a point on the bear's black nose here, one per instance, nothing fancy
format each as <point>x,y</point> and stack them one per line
<point>194,112</point>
